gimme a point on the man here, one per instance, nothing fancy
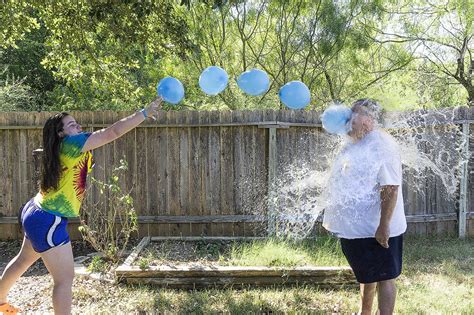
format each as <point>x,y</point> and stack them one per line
<point>365,207</point>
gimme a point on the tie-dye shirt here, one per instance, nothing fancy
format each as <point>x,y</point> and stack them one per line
<point>66,200</point>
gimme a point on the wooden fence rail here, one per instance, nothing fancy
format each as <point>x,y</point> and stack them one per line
<point>207,173</point>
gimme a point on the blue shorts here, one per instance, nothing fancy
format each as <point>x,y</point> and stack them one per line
<point>370,261</point>
<point>43,229</point>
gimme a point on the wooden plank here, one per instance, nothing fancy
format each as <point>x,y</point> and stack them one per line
<point>183,145</point>
<point>22,151</point>
<point>17,148</point>
<point>109,151</point>
<point>303,118</point>
<point>10,232</point>
<point>195,175</point>
<point>272,177</point>
<point>213,192</point>
<point>136,251</point>
<point>209,219</point>
<point>3,168</point>
<point>470,228</point>
<point>238,168</point>
<point>251,219</point>
<point>127,149</point>
<point>227,203</point>
<point>463,198</point>
<point>260,168</point>
<point>184,168</point>
<point>154,158</point>
<point>247,168</point>
<point>99,171</point>
<point>244,273</point>
<point>205,171</point>
<point>205,238</point>
<point>194,190</point>
<point>173,168</point>
<point>35,140</point>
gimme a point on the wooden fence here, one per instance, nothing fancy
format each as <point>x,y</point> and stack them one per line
<point>207,173</point>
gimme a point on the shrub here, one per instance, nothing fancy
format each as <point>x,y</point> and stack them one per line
<point>108,222</point>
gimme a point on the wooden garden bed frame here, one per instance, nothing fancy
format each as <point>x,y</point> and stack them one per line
<point>195,275</point>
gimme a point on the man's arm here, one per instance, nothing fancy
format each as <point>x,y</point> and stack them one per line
<point>388,197</point>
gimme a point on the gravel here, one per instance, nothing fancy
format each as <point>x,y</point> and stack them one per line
<point>32,293</point>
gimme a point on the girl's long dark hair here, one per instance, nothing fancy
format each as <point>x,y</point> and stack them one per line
<point>51,168</point>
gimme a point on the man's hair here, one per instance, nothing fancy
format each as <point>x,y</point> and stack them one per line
<point>370,108</point>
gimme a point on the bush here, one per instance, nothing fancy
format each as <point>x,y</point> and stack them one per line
<point>15,95</point>
<point>108,223</point>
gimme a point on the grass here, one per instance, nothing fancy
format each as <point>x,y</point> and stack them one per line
<point>324,251</point>
<point>438,278</point>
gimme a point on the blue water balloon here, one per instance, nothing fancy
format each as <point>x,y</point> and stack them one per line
<point>336,119</point>
<point>254,82</point>
<point>213,80</point>
<point>295,95</point>
<point>171,90</point>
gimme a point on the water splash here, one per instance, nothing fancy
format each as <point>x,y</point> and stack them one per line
<point>430,145</point>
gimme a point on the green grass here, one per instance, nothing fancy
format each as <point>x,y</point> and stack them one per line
<point>324,251</point>
<point>438,278</point>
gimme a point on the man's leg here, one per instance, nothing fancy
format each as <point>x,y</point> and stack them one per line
<point>16,267</point>
<point>387,293</point>
<point>367,294</point>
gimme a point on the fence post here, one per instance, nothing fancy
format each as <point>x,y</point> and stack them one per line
<point>272,167</point>
<point>462,221</point>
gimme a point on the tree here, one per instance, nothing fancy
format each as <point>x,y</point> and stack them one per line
<point>316,42</point>
<point>99,47</point>
<point>440,34</point>
<point>24,63</point>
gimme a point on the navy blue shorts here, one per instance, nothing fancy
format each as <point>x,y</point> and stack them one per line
<point>43,229</point>
<point>370,261</point>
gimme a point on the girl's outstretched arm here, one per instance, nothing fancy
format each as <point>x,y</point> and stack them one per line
<point>121,127</point>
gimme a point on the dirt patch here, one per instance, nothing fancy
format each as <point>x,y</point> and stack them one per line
<point>172,252</point>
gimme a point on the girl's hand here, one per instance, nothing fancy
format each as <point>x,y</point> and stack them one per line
<point>153,108</point>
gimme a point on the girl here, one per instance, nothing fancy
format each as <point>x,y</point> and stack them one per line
<point>66,162</point>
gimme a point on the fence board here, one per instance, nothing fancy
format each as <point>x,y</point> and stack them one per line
<point>210,163</point>
<point>214,152</point>
<point>227,205</point>
<point>237,169</point>
<point>3,165</point>
<point>205,171</point>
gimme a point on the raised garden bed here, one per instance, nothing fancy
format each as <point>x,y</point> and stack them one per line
<point>199,268</point>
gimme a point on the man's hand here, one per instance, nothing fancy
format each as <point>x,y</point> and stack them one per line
<point>382,234</point>
<point>388,198</point>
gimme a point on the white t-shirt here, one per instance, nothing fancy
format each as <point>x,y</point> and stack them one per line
<point>353,204</point>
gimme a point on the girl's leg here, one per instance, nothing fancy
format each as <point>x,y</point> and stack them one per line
<point>60,263</point>
<point>16,267</point>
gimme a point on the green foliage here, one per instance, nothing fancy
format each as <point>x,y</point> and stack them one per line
<point>92,55</point>
<point>108,224</point>
<point>24,62</point>
<point>98,264</point>
<point>14,94</point>
<point>99,47</point>
<point>324,251</point>
<point>440,35</point>
<point>206,249</point>
<point>144,263</point>
<point>16,20</point>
